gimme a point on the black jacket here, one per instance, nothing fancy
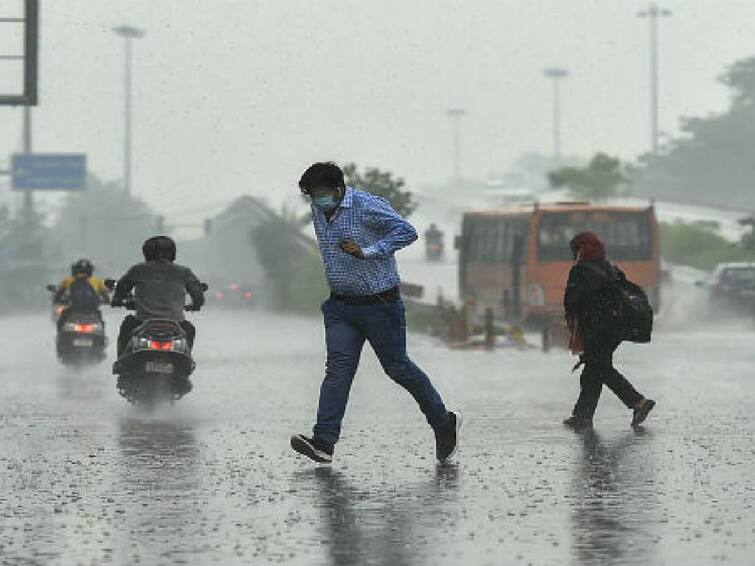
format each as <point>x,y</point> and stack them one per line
<point>588,295</point>
<point>160,289</point>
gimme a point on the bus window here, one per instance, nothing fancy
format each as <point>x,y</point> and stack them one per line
<point>491,240</point>
<point>627,235</point>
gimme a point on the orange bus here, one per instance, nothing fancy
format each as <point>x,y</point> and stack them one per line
<point>516,260</point>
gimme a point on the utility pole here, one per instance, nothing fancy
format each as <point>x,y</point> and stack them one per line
<point>556,74</point>
<point>128,33</point>
<point>456,114</point>
<point>28,193</point>
<point>652,14</point>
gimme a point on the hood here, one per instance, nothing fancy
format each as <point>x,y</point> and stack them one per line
<point>586,246</point>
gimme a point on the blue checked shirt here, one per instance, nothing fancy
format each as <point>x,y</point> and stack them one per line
<point>378,229</point>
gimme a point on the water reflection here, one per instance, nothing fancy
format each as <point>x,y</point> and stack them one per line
<point>159,479</point>
<point>83,383</point>
<point>381,525</point>
<point>615,509</point>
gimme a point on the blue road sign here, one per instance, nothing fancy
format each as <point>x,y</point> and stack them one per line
<point>49,171</point>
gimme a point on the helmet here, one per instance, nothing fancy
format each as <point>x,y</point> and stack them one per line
<point>82,267</point>
<point>159,248</point>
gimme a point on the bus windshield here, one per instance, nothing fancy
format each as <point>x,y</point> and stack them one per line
<point>627,235</point>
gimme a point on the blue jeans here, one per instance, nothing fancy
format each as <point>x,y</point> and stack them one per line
<point>384,327</point>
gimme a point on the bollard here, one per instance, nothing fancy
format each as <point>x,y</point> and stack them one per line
<point>546,338</point>
<point>489,329</point>
<point>458,331</point>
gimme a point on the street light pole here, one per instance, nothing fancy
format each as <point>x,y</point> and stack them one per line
<point>556,74</point>
<point>456,114</point>
<point>652,14</point>
<point>128,33</point>
<point>28,193</point>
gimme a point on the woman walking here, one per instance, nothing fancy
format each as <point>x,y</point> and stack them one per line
<point>588,299</point>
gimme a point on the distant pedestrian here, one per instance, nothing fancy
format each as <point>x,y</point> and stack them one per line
<point>589,297</point>
<point>358,233</point>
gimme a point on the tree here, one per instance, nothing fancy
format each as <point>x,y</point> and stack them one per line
<point>279,245</point>
<point>530,170</point>
<point>748,238</point>
<point>712,162</point>
<point>699,244</point>
<point>381,183</point>
<point>24,254</point>
<point>104,224</point>
<point>600,179</point>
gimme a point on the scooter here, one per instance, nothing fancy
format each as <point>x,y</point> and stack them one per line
<point>80,338</point>
<point>155,365</point>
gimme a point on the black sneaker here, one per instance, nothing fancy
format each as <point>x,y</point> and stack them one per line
<point>447,437</point>
<point>641,411</point>
<point>314,448</point>
<point>578,423</point>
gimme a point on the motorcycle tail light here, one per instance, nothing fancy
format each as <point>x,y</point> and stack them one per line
<point>158,345</point>
<point>83,328</point>
<point>247,294</point>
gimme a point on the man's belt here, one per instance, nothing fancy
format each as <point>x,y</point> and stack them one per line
<point>390,296</point>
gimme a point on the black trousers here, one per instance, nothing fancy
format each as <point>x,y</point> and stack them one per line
<point>131,323</point>
<point>599,371</point>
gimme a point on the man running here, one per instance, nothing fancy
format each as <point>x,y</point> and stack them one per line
<point>358,234</point>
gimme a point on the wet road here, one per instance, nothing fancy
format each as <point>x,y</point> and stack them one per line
<point>87,479</point>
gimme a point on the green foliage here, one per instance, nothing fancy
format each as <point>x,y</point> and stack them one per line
<point>278,243</point>
<point>600,179</point>
<point>530,170</point>
<point>699,245</point>
<point>24,252</point>
<point>309,286</point>
<point>381,183</point>
<point>23,236</point>
<point>711,162</point>
<point>748,238</point>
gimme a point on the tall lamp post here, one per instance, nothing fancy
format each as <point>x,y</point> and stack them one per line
<point>456,114</point>
<point>556,74</point>
<point>128,33</point>
<point>652,14</point>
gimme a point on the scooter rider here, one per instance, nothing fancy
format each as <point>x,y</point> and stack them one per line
<point>82,292</point>
<point>160,286</point>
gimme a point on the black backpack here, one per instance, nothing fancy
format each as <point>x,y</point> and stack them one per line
<point>82,296</point>
<point>622,309</point>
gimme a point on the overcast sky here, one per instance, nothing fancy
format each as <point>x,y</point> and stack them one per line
<point>234,97</point>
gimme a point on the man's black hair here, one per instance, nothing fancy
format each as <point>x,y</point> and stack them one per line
<point>323,174</point>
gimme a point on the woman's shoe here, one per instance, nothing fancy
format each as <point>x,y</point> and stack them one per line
<point>578,423</point>
<point>641,411</point>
